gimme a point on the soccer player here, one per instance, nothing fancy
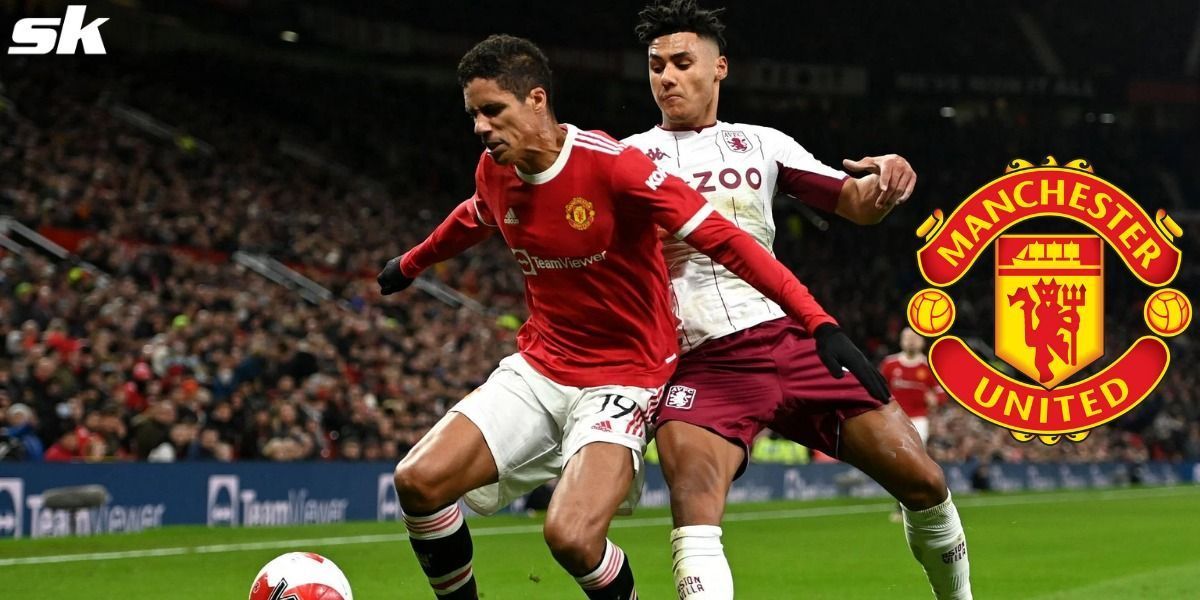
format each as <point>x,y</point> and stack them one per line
<point>580,213</point>
<point>746,364</point>
<point>912,382</point>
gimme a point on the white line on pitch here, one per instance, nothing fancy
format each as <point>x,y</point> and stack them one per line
<point>765,515</point>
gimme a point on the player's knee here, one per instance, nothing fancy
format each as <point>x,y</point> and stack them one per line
<point>416,488</point>
<point>575,543</point>
<point>926,488</point>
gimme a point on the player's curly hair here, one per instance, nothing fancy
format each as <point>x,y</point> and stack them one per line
<point>674,16</point>
<point>516,64</point>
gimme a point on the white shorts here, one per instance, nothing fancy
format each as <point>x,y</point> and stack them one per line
<point>922,425</point>
<point>533,426</point>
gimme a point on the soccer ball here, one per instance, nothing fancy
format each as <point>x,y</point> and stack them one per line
<point>301,576</point>
<point>1168,312</point>
<point>930,312</point>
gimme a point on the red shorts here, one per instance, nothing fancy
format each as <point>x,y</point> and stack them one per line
<point>767,376</point>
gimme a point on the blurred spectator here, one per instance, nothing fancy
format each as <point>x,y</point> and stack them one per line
<point>18,441</point>
<point>66,449</point>
<point>177,446</point>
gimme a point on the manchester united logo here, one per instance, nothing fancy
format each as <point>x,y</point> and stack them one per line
<point>1049,300</point>
<point>1049,312</point>
<point>580,213</point>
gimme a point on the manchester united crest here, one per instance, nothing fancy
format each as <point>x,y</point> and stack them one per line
<point>1049,304</point>
<point>1049,300</point>
<point>580,213</point>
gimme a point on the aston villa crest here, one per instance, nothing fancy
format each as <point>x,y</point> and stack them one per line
<point>737,141</point>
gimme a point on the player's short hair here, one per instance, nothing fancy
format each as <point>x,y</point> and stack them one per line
<point>516,64</point>
<point>674,16</point>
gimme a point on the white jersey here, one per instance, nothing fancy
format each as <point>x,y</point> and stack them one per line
<point>739,169</point>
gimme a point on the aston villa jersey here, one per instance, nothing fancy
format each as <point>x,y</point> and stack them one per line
<point>739,169</point>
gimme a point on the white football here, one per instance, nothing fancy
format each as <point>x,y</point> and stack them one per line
<point>301,576</point>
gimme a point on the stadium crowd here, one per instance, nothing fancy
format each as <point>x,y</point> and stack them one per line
<point>169,351</point>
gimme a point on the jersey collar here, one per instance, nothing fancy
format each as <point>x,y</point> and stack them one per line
<point>559,163</point>
<point>688,129</point>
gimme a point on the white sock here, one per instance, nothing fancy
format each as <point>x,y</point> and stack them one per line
<point>701,571</point>
<point>936,538</point>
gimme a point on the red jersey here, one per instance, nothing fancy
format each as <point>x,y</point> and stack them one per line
<point>911,380</point>
<point>584,233</point>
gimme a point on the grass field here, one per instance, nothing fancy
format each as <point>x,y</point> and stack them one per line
<point>1121,544</point>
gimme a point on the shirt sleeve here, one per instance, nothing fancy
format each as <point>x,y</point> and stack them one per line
<point>469,223</point>
<point>461,230</point>
<point>669,201</point>
<point>804,177</point>
<point>683,212</point>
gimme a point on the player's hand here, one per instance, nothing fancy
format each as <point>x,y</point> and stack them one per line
<point>391,279</point>
<point>896,177</point>
<point>837,351</point>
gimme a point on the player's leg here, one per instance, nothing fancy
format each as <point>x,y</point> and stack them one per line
<point>699,467</point>
<point>592,487</point>
<point>885,445</point>
<point>488,448</point>
<point>838,417</point>
<point>604,438</point>
<point>450,460</point>
<point>921,424</point>
<point>716,404</point>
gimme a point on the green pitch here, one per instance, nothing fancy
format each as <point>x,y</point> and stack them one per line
<point>1135,543</point>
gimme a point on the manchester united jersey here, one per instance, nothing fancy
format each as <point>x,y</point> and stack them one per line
<point>739,169</point>
<point>585,234</point>
<point>911,382</point>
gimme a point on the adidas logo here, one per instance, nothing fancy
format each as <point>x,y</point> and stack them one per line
<point>511,218</point>
<point>603,426</point>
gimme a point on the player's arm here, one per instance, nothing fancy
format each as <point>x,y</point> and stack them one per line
<point>936,396</point>
<point>466,226</point>
<point>931,402</point>
<point>862,200</point>
<point>867,200</point>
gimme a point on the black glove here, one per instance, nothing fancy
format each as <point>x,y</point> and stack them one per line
<point>391,279</point>
<point>837,351</point>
